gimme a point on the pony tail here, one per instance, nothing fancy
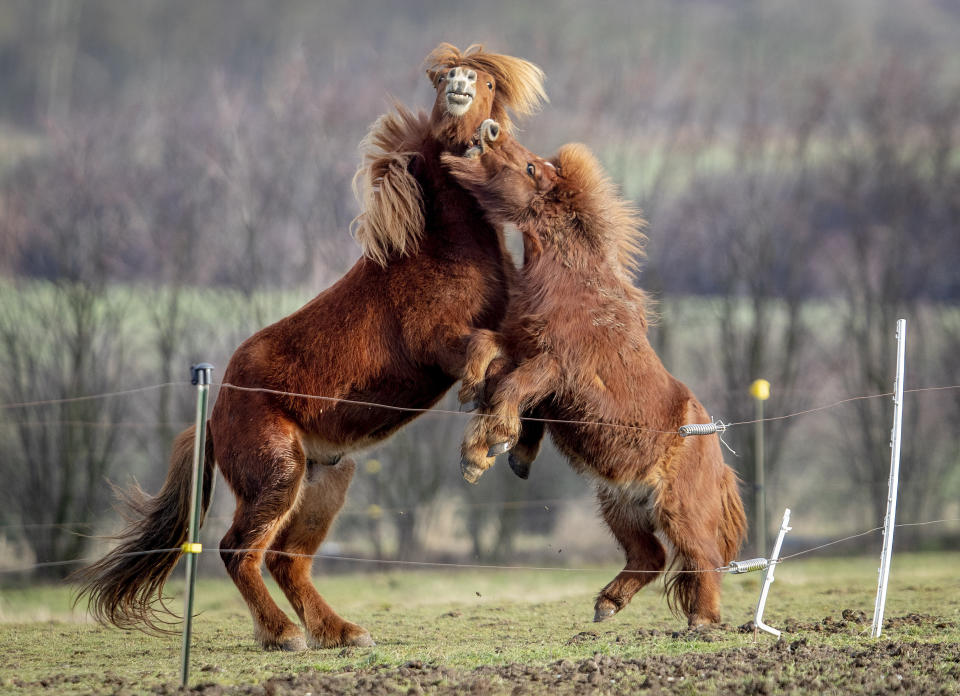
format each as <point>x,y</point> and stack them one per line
<point>125,587</point>
<point>733,520</point>
<point>390,197</point>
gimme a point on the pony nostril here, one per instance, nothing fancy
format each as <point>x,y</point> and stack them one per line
<point>472,75</point>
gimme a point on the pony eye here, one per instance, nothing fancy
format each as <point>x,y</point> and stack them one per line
<point>531,170</point>
<point>489,85</point>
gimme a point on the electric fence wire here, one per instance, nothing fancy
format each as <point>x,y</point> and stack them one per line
<point>438,411</point>
<point>466,566</point>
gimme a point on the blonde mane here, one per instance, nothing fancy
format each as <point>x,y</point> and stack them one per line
<point>519,82</point>
<point>390,198</point>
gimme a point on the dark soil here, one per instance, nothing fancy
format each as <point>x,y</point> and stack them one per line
<point>791,665</point>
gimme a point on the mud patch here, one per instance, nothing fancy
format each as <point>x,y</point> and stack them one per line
<point>854,622</point>
<point>584,637</point>
<point>795,664</point>
<point>781,667</point>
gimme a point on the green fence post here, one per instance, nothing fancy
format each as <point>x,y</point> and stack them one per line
<point>200,376</point>
<point>760,391</point>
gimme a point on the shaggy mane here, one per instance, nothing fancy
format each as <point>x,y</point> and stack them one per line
<point>519,82</point>
<point>390,199</point>
<point>605,214</point>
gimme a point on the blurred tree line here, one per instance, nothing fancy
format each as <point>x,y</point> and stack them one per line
<point>189,177</point>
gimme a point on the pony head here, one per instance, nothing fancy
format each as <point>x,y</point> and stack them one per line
<point>474,85</point>
<point>567,202</point>
<point>510,182</point>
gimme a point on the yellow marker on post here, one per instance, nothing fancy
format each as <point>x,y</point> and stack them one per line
<point>760,391</point>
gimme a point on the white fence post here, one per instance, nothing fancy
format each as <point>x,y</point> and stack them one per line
<point>890,518</point>
<point>768,579</point>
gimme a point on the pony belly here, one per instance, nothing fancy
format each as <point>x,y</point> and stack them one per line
<point>616,456</point>
<point>638,502</point>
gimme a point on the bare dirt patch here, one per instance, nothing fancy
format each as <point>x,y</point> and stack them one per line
<point>800,662</point>
<point>783,667</point>
<point>797,663</point>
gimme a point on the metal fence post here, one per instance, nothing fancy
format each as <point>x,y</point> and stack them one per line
<point>200,376</point>
<point>760,391</point>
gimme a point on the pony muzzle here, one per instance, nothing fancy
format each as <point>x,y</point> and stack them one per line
<point>461,89</point>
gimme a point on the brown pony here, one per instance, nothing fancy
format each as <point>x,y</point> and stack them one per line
<point>392,331</point>
<point>576,336</point>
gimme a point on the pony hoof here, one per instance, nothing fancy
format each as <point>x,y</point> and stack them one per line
<point>604,609</point>
<point>468,406</point>
<point>520,468</point>
<point>294,644</point>
<point>364,640</point>
<point>499,448</point>
<point>602,614</point>
<point>471,472</point>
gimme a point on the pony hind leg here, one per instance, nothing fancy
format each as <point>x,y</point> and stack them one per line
<point>291,555</point>
<point>695,588</point>
<point>242,549</point>
<point>629,519</point>
<point>266,488</point>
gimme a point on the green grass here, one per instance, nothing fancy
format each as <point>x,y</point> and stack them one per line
<point>462,619</point>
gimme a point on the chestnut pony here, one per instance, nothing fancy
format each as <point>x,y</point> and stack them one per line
<point>576,340</point>
<point>392,331</point>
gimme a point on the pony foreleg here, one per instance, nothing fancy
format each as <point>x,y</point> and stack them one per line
<point>530,383</point>
<point>528,445</point>
<point>473,449</point>
<point>483,348</point>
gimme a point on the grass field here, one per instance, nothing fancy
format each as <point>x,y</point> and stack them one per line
<point>502,631</point>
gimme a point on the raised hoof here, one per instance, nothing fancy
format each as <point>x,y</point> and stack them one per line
<point>471,472</point>
<point>520,468</point>
<point>468,406</point>
<point>604,609</point>
<point>499,448</point>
